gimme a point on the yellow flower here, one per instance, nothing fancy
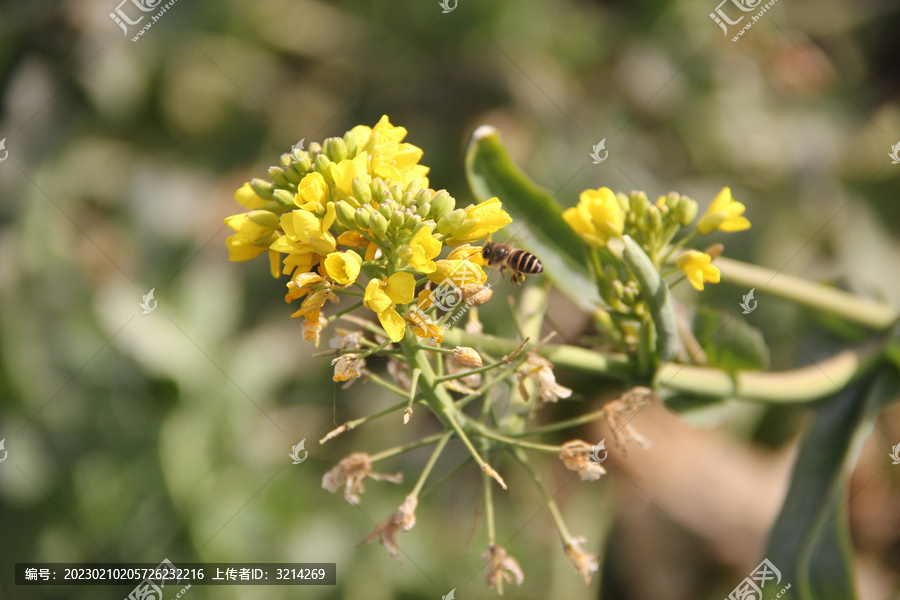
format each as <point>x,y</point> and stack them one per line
<point>387,132</point>
<point>247,197</point>
<point>353,239</point>
<point>457,272</point>
<point>597,217</point>
<point>344,172</point>
<point>422,249</point>
<point>312,191</point>
<point>489,218</point>
<point>697,268</point>
<point>468,252</point>
<point>724,213</point>
<point>305,232</point>
<point>382,296</point>
<point>255,232</point>
<point>343,267</point>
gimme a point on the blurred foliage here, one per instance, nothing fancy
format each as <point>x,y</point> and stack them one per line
<point>135,437</point>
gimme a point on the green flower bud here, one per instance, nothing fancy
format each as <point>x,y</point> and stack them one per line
<point>424,195</point>
<point>292,174</point>
<point>284,159</point>
<point>322,163</point>
<point>411,220</point>
<point>276,174</point>
<point>386,209</point>
<point>378,224</point>
<point>263,188</point>
<point>414,186</point>
<point>451,221</point>
<point>350,144</point>
<point>345,214</point>
<point>408,199</point>
<point>424,224</point>
<point>638,203</point>
<point>653,218</point>
<point>361,191</point>
<point>335,149</point>
<point>424,210</point>
<point>687,211</point>
<point>441,204</point>
<point>301,162</point>
<point>315,148</point>
<point>362,217</point>
<point>397,219</point>
<point>618,287</point>
<point>396,192</point>
<point>263,217</point>
<point>379,190</point>
<point>284,198</point>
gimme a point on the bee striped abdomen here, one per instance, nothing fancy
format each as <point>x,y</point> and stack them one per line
<point>525,262</point>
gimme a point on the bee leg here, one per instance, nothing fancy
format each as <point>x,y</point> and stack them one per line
<point>516,278</point>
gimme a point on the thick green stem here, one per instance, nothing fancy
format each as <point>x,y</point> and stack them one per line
<point>870,313</point>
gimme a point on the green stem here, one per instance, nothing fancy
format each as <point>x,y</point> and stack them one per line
<point>869,313</point>
<point>430,464</point>
<point>341,313</point>
<point>567,424</point>
<point>462,374</point>
<point>489,433</point>
<point>405,447</point>
<point>551,503</point>
<point>388,385</point>
<point>413,386</point>
<point>362,420</point>
<point>350,292</point>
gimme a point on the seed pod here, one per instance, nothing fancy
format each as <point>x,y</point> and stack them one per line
<point>467,357</point>
<point>656,297</point>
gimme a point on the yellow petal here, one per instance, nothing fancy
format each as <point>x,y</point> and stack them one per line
<point>312,189</point>
<point>393,324</point>
<point>401,288</point>
<point>375,297</point>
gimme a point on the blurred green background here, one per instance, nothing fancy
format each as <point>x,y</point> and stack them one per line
<point>137,437</point>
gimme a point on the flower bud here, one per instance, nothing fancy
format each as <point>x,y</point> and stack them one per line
<point>396,192</point>
<point>467,357</point>
<point>424,210</point>
<point>322,164</point>
<point>424,195</point>
<point>345,214</point>
<point>350,143</point>
<point>411,220</point>
<point>263,217</point>
<point>300,161</point>
<point>362,217</point>
<point>293,174</point>
<point>361,191</point>
<point>276,174</point>
<point>618,287</point>
<point>284,198</point>
<point>441,204</point>
<point>653,218</point>
<point>335,149</point>
<point>687,211</point>
<point>451,221</point>
<point>262,188</point>
<point>408,199</point>
<point>386,209</point>
<point>414,187</point>
<point>284,159</point>
<point>379,190</point>
<point>378,224</point>
<point>638,203</point>
<point>397,219</point>
<point>422,225</point>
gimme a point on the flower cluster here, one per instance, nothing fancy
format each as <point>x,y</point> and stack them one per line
<point>603,218</point>
<point>359,205</point>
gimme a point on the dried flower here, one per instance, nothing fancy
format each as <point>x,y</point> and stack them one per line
<point>585,562</point>
<point>540,371</point>
<point>620,412</point>
<point>576,455</point>
<point>347,366</point>
<point>346,340</point>
<point>402,520</point>
<point>501,568</point>
<point>352,471</point>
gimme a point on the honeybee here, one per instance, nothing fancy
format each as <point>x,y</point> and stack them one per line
<point>520,263</point>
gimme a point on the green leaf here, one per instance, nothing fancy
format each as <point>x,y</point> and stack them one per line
<point>491,172</point>
<point>656,297</point>
<point>730,343</point>
<point>809,542</point>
